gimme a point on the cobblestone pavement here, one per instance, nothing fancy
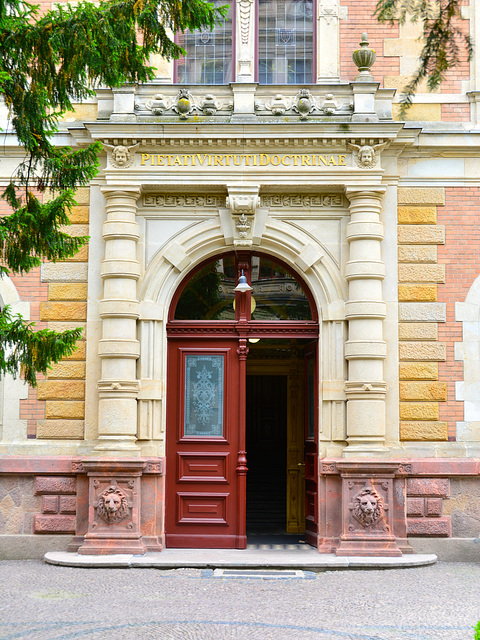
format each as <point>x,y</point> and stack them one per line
<point>45,602</point>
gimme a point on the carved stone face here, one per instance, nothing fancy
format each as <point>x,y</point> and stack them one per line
<point>368,507</point>
<point>121,155</point>
<point>368,504</point>
<point>112,505</point>
<point>366,155</point>
<point>112,502</point>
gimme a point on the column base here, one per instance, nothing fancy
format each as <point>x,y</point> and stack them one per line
<point>122,446</point>
<point>108,546</point>
<point>363,547</point>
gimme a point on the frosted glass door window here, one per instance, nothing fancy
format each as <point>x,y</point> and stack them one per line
<point>204,375</point>
<point>285,42</point>
<point>209,53</point>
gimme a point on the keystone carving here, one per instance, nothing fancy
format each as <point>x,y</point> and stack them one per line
<point>243,226</point>
<point>367,507</point>
<point>112,505</point>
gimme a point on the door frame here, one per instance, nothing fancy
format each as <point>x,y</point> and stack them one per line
<point>241,329</point>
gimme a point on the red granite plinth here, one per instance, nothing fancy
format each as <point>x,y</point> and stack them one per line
<point>371,518</point>
<point>113,507</point>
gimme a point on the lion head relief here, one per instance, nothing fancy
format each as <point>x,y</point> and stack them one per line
<point>367,507</point>
<point>112,505</point>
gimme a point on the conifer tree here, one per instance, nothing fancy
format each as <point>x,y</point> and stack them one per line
<point>50,61</point>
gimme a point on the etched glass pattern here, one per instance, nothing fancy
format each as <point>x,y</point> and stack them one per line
<point>209,53</point>
<point>285,41</point>
<point>204,395</point>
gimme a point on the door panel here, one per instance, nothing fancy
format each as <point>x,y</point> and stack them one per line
<point>311,445</point>
<point>202,443</point>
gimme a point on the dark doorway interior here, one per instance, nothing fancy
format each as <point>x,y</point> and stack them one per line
<point>266,430</point>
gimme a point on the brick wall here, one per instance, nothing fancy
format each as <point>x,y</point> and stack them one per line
<point>460,256</point>
<point>360,19</point>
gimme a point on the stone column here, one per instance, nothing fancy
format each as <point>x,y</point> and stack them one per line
<point>119,309</point>
<point>365,348</point>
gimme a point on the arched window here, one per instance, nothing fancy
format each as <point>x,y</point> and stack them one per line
<point>210,293</point>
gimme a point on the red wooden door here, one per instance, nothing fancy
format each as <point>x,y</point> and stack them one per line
<point>203,485</point>
<point>311,445</point>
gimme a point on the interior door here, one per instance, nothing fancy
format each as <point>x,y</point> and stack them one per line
<point>203,507</point>
<point>311,445</point>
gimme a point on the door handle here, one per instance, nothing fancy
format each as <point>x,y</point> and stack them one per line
<point>300,464</point>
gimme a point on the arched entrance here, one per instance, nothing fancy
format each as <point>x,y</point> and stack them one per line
<point>241,394</point>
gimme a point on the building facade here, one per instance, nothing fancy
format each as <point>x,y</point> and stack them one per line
<point>280,301</point>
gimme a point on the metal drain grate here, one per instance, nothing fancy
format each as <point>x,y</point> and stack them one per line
<point>259,574</point>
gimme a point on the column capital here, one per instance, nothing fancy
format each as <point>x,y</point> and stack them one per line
<point>353,192</point>
<point>119,192</point>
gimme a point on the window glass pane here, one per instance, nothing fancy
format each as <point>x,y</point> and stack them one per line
<point>285,41</point>
<point>203,395</point>
<point>210,294</point>
<point>277,295</point>
<point>209,53</point>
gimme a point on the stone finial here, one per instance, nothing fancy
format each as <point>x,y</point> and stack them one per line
<point>364,59</point>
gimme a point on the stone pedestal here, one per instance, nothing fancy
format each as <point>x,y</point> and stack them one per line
<point>114,507</point>
<point>371,520</point>
<point>367,509</point>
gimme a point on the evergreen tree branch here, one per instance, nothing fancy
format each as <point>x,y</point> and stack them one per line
<point>49,62</point>
<point>30,351</point>
<point>443,38</point>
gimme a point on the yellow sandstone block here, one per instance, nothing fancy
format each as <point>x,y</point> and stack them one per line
<point>61,311</point>
<point>79,353</point>
<point>417,215</point>
<point>80,256</point>
<point>69,370</point>
<point>64,409</point>
<point>418,331</point>
<point>60,429</point>
<point>423,431</point>
<point>417,293</point>
<point>61,390</point>
<point>82,195</point>
<point>67,291</point>
<point>421,273</point>
<point>419,411</point>
<point>421,195</point>
<point>79,214</point>
<point>82,112</point>
<point>428,351</point>
<point>419,112</point>
<point>423,391</point>
<point>417,253</point>
<point>418,371</point>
